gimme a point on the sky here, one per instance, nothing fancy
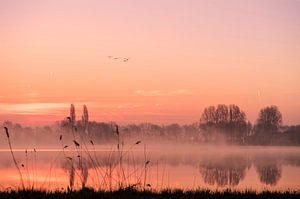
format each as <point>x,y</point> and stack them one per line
<point>183,57</point>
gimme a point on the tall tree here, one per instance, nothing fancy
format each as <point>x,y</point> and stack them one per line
<point>228,120</point>
<point>222,114</point>
<point>236,114</point>
<point>72,115</point>
<point>209,115</point>
<point>85,119</point>
<point>269,120</point>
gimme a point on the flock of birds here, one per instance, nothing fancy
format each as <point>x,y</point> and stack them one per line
<point>124,59</point>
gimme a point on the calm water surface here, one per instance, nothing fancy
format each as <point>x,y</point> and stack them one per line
<point>213,167</point>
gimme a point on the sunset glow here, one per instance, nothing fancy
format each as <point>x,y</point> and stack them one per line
<point>182,56</point>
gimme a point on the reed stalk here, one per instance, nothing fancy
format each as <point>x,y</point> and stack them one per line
<point>14,159</point>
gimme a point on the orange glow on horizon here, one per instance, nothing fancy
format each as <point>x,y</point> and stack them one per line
<point>182,57</point>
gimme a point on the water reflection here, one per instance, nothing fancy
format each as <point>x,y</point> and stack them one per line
<point>223,172</point>
<point>230,171</point>
<point>269,170</point>
<point>227,169</point>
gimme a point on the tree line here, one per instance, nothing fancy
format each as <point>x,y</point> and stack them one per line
<point>230,123</point>
<point>221,123</point>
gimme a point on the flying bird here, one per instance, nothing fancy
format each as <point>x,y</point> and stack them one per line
<point>60,137</point>
<point>66,146</point>
<point>124,59</point>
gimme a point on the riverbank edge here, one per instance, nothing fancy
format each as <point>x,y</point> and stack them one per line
<point>137,194</point>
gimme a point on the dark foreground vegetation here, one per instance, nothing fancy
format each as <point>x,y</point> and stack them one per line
<point>134,194</point>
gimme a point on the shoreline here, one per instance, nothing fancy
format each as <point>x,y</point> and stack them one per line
<point>137,194</point>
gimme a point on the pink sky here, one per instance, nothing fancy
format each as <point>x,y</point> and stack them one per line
<point>184,56</point>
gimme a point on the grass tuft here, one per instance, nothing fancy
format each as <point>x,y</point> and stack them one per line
<point>133,193</point>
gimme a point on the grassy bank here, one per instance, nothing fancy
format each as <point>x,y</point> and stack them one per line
<point>134,194</point>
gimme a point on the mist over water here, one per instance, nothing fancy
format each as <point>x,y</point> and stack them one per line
<point>215,154</point>
<point>183,95</point>
<point>186,166</point>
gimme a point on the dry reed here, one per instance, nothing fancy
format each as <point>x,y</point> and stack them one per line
<point>13,157</point>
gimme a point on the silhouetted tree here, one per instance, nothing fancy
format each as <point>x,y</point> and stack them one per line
<point>85,119</point>
<point>269,120</point>
<point>191,132</point>
<point>173,131</point>
<point>238,126</point>
<point>227,120</point>
<point>72,115</point>
<point>209,116</point>
<point>222,114</point>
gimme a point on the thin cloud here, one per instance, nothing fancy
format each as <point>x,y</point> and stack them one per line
<point>57,108</point>
<point>163,93</point>
<point>32,108</point>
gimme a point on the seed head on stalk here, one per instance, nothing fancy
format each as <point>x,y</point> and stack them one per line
<point>13,157</point>
<point>76,143</point>
<point>6,131</point>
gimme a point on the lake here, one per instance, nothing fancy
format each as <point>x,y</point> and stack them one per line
<point>153,167</point>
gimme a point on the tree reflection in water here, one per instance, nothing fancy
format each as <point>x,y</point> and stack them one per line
<point>228,171</point>
<point>269,173</point>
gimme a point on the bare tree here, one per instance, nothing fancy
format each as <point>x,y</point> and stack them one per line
<point>236,114</point>
<point>222,114</point>
<point>269,120</point>
<point>209,115</point>
<point>227,120</point>
<point>85,119</point>
<point>72,115</point>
